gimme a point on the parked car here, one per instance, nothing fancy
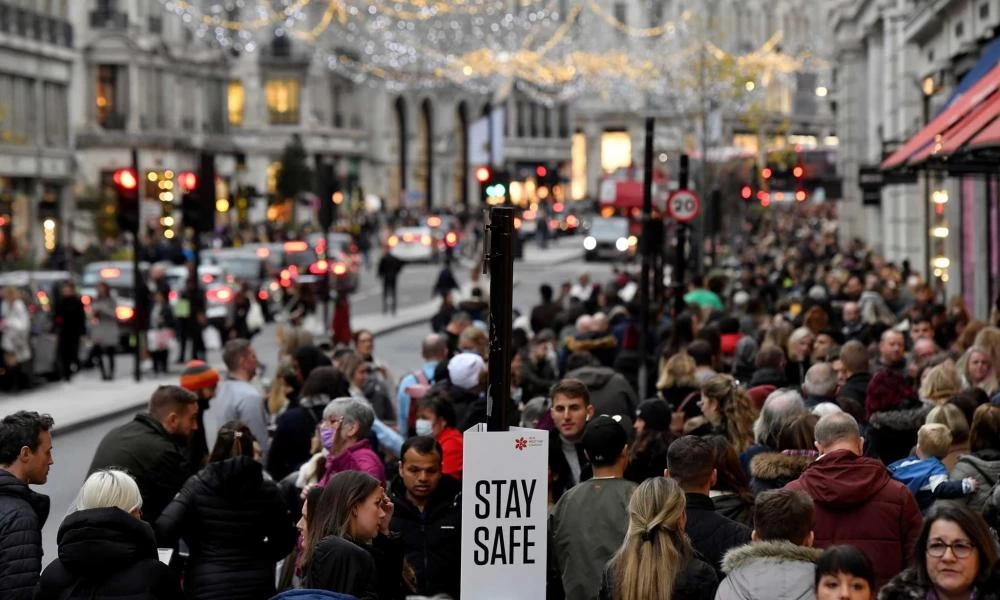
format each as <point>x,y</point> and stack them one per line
<point>118,275</point>
<point>609,238</point>
<point>244,265</point>
<point>219,293</point>
<point>413,244</point>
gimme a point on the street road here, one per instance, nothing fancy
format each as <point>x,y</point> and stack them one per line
<point>400,350</point>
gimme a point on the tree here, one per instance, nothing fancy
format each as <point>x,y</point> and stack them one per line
<point>294,176</point>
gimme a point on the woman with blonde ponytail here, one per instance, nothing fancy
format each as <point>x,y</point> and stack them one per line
<point>656,561</point>
<point>234,521</point>
<point>729,410</point>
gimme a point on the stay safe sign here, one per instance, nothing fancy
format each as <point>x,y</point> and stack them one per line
<point>504,514</point>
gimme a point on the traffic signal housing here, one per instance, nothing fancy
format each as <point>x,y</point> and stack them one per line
<point>126,184</point>
<point>199,200</point>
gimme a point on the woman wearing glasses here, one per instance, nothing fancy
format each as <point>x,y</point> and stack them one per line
<point>955,559</point>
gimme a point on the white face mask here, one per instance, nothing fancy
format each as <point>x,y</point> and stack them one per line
<point>424,427</point>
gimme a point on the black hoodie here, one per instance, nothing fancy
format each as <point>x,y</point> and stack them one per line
<point>107,553</point>
<point>237,527</point>
<point>432,539</point>
<point>22,515</point>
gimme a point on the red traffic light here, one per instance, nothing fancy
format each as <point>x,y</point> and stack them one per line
<point>746,192</point>
<point>188,180</point>
<point>541,171</point>
<point>483,174</point>
<point>125,179</point>
<point>766,172</point>
<point>798,172</point>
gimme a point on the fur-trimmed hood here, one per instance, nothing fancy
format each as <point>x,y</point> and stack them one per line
<point>900,420</point>
<point>766,570</point>
<point>773,551</point>
<point>584,344</point>
<point>774,466</point>
<point>907,586</point>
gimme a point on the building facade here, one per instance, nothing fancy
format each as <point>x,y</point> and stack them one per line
<point>36,163</point>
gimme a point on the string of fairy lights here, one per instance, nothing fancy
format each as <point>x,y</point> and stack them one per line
<point>551,50</point>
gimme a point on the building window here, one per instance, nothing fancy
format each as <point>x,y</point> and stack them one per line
<point>109,97</point>
<point>337,100</point>
<point>930,55</point>
<point>282,96</point>
<point>621,13</point>
<point>236,103</point>
<point>56,114</point>
<point>959,29</point>
<point>984,10</point>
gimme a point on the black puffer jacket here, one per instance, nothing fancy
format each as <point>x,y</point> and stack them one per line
<point>107,553</point>
<point>907,586</point>
<point>892,434</point>
<point>432,539</point>
<point>698,581</point>
<point>158,461</point>
<point>237,527</point>
<point>712,534</point>
<point>22,515</point>
<point>339,565</point>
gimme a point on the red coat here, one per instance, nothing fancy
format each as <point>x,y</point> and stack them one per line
<point>450,439</point>
<point>858,504</point>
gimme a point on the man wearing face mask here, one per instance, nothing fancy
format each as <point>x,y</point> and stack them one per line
<point>436,418</point>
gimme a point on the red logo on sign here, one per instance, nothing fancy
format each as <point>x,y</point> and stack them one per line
<point>520,443</point>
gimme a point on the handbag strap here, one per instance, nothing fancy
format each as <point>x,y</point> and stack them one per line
<point>686,400</point>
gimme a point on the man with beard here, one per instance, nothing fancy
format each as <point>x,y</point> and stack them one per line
<point>153,448</point>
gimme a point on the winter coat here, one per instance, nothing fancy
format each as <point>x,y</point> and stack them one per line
<point>907,586</point>
<point>773,470</point>
<point>107,553</point>
<point>359,456</point>
<point>610,393</point>
<point>857,503</point>
<point>698,581</point>
<point>432,539</point>
<point>537,377</point>
<point>293,434</point>
<point>769,569</point>
<point>856,387</point>
<point>795,371</point>
<point>312,595</point>
<point>562,475</point>
<point>237,527</point>
<point>158,461</point>
<point>766,376</point>
<point>892,434</point>
<point>712,534</point>
<point>104,327</point>
<point>69,317</point>
<point>544,316</point>
<point>604,347</point>
<point>733,506</point>
<point>339,565</point>
<point>15,330</point>
<point>675,397</point>
<point>984,467</point>
<point>22,515</point>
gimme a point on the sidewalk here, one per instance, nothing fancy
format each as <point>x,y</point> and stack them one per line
<point>559,251</point>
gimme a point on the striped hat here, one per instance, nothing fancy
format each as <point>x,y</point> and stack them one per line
<point>198,375</point>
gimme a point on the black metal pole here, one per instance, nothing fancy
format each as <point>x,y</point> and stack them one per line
<point>679,260</point>
<point>928,213</point>
<point>501,260</point>
<point>138,298</point>
<point>647,254</point>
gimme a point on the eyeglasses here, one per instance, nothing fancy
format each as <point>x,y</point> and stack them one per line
<point>938,548</point>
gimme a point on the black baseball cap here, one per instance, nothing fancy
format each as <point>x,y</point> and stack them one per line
<point>603,440</point>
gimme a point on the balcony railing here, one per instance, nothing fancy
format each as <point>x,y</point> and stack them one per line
<point>108,20</point>
<point>32,25</point>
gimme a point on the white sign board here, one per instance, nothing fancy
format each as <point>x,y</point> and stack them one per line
<point>504,514</point>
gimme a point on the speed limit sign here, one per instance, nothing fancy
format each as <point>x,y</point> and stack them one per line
<point>683,205</point>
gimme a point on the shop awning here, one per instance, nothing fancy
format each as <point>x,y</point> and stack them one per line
<point>987,138</point>
<point>948,142</point>
<point>987,60</point>
<point>946,120</point>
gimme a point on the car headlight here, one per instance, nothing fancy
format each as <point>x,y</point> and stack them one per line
<point>589,243</point>
<point>622,244</point>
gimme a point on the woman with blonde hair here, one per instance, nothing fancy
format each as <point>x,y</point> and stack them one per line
<point>940,384</point>
<point>977,370</point>
<point>656,561</point>
<point>677,382</point>
<point>730,411</point>
<point>105,550</point>
<point>798,351</point>
<point>989,340</point>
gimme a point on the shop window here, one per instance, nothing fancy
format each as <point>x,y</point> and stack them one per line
<point>108,98</point>
<point>236,103</point>
<point>282,97</point>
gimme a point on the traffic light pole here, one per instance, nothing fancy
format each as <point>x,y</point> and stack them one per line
<point>647,255</point>
<point>137,281</point>
<point>679,260</point>
<point>501,266</point>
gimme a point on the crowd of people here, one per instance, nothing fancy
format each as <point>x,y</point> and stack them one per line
<point>816,425</point>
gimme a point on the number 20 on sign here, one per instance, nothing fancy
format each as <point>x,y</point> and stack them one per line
<point>683,205</point>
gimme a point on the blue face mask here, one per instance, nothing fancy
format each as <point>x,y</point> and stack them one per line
<point>326,435</point>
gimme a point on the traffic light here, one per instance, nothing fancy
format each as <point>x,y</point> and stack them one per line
<point>483,174</point>
<point>766,173</point>
<point>800,191</point>
<point>746,192</point>
<point>199,201</point>
<point>541,171</point>
<point>126,185</point>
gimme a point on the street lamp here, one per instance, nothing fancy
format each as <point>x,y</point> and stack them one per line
<point>821,91</point>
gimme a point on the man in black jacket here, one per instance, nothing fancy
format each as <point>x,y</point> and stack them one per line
<point>691,462</point>
<point>428,516</point>
<point>571,409</point>
<point>854,358</point>
<point>25,458</point>
<point>153,448</point>
<point>71,325</point>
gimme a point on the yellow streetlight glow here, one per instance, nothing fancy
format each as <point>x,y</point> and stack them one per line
<point>939,232</point>
<point>941,262</point>
<point>939,197</point>
<point>821,91</point>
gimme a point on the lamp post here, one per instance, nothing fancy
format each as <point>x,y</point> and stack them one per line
<point>928,88</point>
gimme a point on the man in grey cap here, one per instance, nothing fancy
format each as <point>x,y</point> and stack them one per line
<point>590,520</point>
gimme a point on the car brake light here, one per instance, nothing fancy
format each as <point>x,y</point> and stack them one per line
<point>451,239</point>
<point>85,300</point>
<point>262,294</point>
<point>393,240</point>
<point>434,221</point>
<point>558,207</point>
<point>553,224</point>
<point>286,282</point>
<point>172,295</point>
<point>339,269</point>
<point>111,273</point>
<point>285,275</point>
<point>263,252</point>
<point>409,237</point>
<point>319,267</point>
<point>298,246</point>
<point>293,269</point>
<point>124,313</point>
<point>425,240</point>
<point>572,221</point>
<point>206,278</point>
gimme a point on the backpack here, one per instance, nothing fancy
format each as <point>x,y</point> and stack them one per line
<point>416,391</point>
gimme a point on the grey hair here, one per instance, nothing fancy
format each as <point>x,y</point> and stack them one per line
<point>109,488</point>
<point>780,406</point>
<point>836,427</point>
<point>826,408</point>
<point>821,380</point>
<point>352,410</point>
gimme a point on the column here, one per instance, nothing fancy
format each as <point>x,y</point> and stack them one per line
<point>593,131</point>
<point>132,124</point>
